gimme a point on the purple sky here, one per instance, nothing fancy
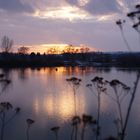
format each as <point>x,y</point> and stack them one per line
<point>90,22</point>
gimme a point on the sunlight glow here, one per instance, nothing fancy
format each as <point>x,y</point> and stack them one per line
<point>65,12</point>
<point>59,48</point>
<point>61,106</point>
<point>49,106</point>
<point>60,103</point>
<point>106,17</point>
<point>66,105</point>
<point>73,13</point>
<point>123,5</point>
<point>83,2</point>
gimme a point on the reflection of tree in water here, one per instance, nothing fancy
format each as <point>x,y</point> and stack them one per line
<point>22,73</point>
<point>5,80</point>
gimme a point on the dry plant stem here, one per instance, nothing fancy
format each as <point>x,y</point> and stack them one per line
<point>3,125</point>
<point>74,92</point>
<point>27,133</point>
<point>119,108</point>
<point>125,41</point>
<point>56,135</point>
<point>130,106</point>
<point>72,133</point>
<point>98,115</point>
<point>76,131</point>
<point>83,132</point>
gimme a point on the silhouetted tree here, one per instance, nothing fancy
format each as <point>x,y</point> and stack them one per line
<point>23,50</point>
<point>6,44</point>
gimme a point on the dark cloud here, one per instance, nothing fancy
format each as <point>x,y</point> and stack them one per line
<point>102,6</point>
<point>15,6</point>
<point>73,2</point>
<point>98,6</point>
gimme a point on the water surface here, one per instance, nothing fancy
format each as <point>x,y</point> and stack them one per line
<point>45,96</point>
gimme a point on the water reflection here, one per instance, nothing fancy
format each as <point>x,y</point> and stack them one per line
<point>5,81</point>
<point>46,97</point>
<point>61,106</point>
<point>23,74</point>
<point>69,71</point>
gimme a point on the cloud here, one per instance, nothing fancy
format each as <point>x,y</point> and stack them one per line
<point>15,6</point>
<point>89,22</point>
<point>64,12</point>
<point>96,6</point>
<point>104,7</point>
<point>72,10</point>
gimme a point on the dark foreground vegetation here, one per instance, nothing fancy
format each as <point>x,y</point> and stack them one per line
<point>119,59</point>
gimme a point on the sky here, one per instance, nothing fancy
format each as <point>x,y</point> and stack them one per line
<point>36,23</point>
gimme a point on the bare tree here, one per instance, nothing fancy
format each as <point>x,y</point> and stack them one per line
<point>23,50</point>
<point>6,44</point>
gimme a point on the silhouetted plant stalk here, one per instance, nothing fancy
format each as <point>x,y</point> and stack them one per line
<point>119,97</point>
<point>99,85</point>
<point>120,24</point>
<point>4,108</point>
<point>134,16</point>
<point>130,106</point>
<point>111,138</point>
<point>86,120</point>
<point>120,91</point>
<point>76,120</point>
<point>75,83</point>
<point>29,124</point>
<point>55,130</point>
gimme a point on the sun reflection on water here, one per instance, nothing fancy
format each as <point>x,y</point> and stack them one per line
<point>61,106</point>
<point>57,99</point>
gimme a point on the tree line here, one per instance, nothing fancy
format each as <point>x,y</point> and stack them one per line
<point>7,44</point>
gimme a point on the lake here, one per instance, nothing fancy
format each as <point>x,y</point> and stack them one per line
<point>44,95</point>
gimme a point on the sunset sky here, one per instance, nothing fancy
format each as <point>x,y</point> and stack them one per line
<point>35,23</point>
